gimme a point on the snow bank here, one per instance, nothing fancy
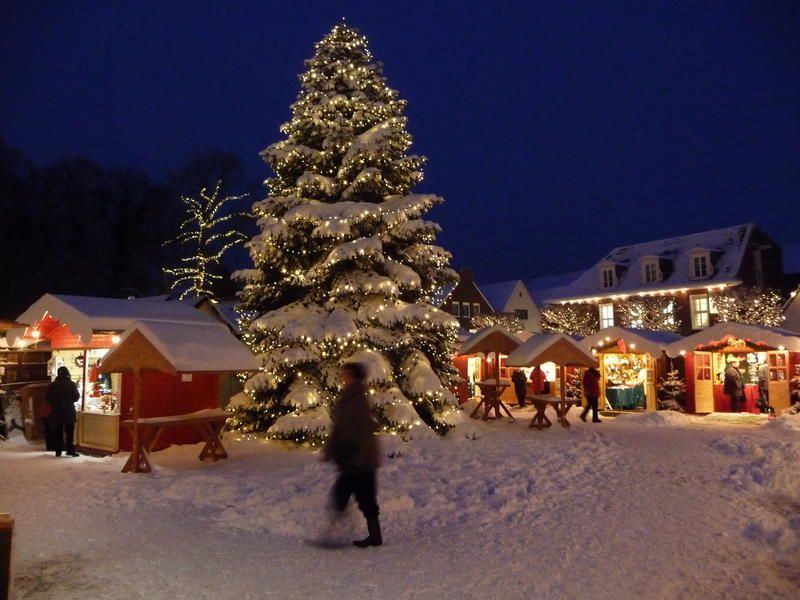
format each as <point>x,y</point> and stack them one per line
<point>787,421</point>
<point>662,418</point>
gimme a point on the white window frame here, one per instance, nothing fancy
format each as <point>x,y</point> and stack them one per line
<point>650,272</point>
<point>608,278</point>
<point>465,310</point>
<point>476,309</point>
<point>700,318</point>
<point>517,314</point>
<point>698,261</point>
<point>455,308</point>
<point>606,320</point>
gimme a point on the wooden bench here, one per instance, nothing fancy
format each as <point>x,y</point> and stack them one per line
<point>540,419</point>
<point>208,422</point>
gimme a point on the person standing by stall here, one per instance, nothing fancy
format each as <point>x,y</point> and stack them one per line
<point>538,380</point>
<point>591,388</point>
<point>520,386</point>
<point>352,445</point>
<point>62,394</point>
<point>734,384</point>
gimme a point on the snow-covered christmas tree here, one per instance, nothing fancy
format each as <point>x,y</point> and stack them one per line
<point>344,266</point>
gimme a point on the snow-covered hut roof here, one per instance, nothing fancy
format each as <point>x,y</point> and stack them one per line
<point>87,314</point>
<point>651,342</point>
<point>490,339</point>
<point>728,245</point>
<point>550,347</point>
<point>188,347</point>
<point>497,294</point>
<point>774,337</point>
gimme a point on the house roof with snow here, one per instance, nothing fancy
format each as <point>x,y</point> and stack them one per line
<point>550,347</point>
<point>186,347</point>
<point>547,286</point>
<point>726,245</point>
<point>86,314</point>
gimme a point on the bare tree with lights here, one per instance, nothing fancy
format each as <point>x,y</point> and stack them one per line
<point>654,314</point>
<point>204,234</point>
<point>345,268</point>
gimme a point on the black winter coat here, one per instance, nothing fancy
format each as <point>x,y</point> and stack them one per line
<point>352,443</point>
<point>61,396</point>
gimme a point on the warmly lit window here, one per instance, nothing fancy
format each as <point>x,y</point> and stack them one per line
<point>700,312</point>
<point>476,309</point>
<point>521,313</point>
<point>465,309</point>
<point>608,278</point>
<point>606,315</point>
<point>455,308</point>
<point>650,272</point>
<point>700,266</point>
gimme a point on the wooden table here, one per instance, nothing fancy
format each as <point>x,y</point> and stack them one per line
<point>490,400</point>
<point>540,402</point>
<point>208,422</point>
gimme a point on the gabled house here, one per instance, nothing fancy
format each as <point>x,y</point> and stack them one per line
<point>464,300</point>
<point>688,270</point>
<point>514,297</point>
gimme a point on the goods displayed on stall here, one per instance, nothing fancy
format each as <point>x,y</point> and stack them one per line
<point>631,362</point>
<point>762,357</point>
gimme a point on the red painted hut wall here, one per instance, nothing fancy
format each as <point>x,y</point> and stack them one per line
<point>62,337</point>
<point>461,390</point>
<point>164,395</point>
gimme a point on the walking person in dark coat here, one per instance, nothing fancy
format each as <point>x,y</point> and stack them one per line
<point>734,385</point>
<point>353,446</point>
<point>520,386</point>
<point>62,394</point>
<point>591,387</point>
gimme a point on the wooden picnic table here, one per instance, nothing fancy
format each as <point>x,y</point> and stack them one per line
<point>541,402</point>
<point>490,400</point>
<point>209,423</point>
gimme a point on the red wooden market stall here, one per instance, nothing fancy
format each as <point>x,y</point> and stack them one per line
<point>78,331</point>
<point>152,350</point>
<point>767,357</point>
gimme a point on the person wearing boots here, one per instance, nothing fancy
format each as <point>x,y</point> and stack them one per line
<point>591,388</point>
<point>352,445</point>
<point>62,394</point>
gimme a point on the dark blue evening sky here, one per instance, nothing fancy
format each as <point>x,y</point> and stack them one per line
<point>554,130</point>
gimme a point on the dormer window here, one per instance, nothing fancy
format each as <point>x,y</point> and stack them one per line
<point>608,277</point>
<point>700,266</point>
<point>650,271</point>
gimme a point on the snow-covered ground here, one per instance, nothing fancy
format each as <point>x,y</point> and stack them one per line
<point>650,506</point>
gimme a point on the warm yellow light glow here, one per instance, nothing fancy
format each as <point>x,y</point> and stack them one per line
<point>115,339</point>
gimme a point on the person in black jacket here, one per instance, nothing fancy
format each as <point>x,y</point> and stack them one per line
<point>352,445</point>
<point>62,394</point>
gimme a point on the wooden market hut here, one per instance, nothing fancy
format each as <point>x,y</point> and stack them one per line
<point>482,356</point>
<point>174,369</point>
<point>77,332</point>
<point>631,363</point>
<point>556,348</point>
<point>771,353</point>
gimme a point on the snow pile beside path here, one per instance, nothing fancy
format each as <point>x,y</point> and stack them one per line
<point>787,421</point>
<point>662,418</point>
